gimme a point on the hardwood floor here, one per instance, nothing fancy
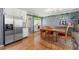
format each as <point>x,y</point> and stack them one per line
<point>34,42</point>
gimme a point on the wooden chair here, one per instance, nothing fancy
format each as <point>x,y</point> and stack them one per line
<point>49,35</point>
<point>64,34</point>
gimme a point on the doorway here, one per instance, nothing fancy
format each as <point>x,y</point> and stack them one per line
<point>37,23</point>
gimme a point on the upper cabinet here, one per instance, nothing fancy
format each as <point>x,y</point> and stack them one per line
<point>13,12</point>
<point>17,13</point>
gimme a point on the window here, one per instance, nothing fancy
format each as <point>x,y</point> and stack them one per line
<point>37,20</point>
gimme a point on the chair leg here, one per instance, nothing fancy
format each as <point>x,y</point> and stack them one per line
<point>65,39</point>
<point>52,39</point>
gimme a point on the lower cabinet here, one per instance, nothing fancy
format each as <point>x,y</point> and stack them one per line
<point>25,32</point>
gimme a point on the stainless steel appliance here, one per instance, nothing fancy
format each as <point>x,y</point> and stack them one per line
<point>18,27</point>
<point>13,29</point>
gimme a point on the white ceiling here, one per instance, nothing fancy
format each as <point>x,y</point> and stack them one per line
<point>49,11</point>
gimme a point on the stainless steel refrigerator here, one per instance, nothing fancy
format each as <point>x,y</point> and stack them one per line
<point>13,28</point>
<point>18,27</point>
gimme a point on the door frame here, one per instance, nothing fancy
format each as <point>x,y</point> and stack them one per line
<point>41,21</point>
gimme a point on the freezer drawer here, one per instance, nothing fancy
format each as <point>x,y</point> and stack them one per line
<point>9,39</point>
<point>9,36</point>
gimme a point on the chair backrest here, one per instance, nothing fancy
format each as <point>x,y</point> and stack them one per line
<point>67,29</point>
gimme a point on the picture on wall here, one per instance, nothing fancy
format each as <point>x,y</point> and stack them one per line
<point>62,22</point>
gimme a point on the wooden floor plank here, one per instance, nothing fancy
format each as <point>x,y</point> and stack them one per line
<point>33,42</point>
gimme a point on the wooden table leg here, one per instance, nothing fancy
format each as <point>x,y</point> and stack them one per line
<point>56,36</point>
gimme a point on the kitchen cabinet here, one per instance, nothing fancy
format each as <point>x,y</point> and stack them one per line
<point>25,32</point>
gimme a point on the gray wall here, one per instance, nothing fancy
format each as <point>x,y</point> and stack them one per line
<point>1,26</point>
<point>55,19</point>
